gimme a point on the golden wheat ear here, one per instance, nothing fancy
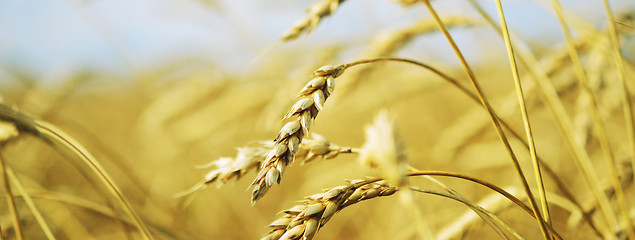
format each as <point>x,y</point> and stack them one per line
<point>315,14</point>
<point>287,143</point>
<point>304,220</point>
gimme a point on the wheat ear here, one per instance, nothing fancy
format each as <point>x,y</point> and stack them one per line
<point>303,221</point>
<point>249,159</point>
<point>315,14</point>
<point>286,144</point>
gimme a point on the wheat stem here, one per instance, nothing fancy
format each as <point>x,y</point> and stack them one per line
<point>490,112</point>
<point>597,122</point>
<point>487,216</point>
<point>15,216</point>
<point>31,204</point>
<point>550,97</point>
<point>524,113</point>
<point>626,102</point>
<point>52,134</point>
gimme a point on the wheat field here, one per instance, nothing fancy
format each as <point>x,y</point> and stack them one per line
<point>352,140</point>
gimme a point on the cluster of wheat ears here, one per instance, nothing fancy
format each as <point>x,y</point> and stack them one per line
<point>588,74</point>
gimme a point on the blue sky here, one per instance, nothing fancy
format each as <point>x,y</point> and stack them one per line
<point>115,35</point>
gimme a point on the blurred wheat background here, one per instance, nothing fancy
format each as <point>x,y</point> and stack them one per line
<point>152,112</point>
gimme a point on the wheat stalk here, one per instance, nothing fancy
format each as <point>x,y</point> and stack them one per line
<point>28,200</point>
<point>9,131</point>
<point>550,96</point>
<point>63,143</point>
<point>600,131</point>
<point>525,116</point>
<point>304,220</point>
<point>497,125</point>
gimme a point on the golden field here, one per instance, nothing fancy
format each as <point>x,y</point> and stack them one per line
<point>72,151</point>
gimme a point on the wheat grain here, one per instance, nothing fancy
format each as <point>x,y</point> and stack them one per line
<point>304,220</point>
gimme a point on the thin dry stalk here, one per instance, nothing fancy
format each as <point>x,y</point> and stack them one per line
<point>75,230</point>
<point>494,202</point>
<point>31,204</point>
<point>597,122</point>
<point>315,14</point>
<point>549,96</point>
<point>524,113</point>
<point>304,220</point>
<point>15,216</point>
<point>619,63</point>
<point>8,131</point>
<point>626,177</point>
<point>491,186</point>
<point>490,218</point>
<point>581,157</point>
<point>287,142</point>
<point>497,125</point>
<point>600,76</point>
<point>56,136</point>
<point>62,142</point>
<point>64,221</point>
